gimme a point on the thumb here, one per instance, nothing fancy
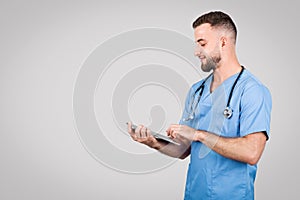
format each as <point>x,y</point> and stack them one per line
<point>129,127</point>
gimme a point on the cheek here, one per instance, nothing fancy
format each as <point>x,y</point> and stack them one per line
<point>207,54</point>
<point>209,50</point>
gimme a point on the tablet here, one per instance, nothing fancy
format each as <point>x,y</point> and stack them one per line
<point>158,136</point>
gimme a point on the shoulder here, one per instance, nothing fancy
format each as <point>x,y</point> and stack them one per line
<point>253,88</point>
<point>249,80</point>
<point>196,85</point>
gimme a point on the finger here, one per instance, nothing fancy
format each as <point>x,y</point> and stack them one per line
<point>131,131</point>
<point>148,133</point>
<point>134,137</point>
<point>143,140</point>
<point>143,132</point>
<point>169,130</point>
<point>129,128</point>
<point>171,133</point>
<point>176,131</point>
<point>138,131</point>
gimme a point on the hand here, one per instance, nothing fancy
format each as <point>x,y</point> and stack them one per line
<point>178,130</point>
<point>143,135</point>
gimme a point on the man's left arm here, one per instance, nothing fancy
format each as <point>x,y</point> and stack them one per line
<point>246,149</point>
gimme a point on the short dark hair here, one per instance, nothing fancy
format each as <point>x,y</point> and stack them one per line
<point>217,19</point>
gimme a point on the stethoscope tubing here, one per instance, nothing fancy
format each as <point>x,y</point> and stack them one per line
<point>227,111</point>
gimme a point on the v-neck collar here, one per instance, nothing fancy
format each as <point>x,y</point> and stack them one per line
<point>227,84</point>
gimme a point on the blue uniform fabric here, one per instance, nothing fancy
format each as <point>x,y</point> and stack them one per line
<point>210,175</point>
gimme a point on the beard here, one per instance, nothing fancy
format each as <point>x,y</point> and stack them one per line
<point>212,60</point>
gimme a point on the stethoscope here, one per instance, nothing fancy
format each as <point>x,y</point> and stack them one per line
<point>227,111</point>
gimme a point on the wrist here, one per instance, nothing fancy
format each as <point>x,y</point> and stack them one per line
<point>156,145</point>
<point>199,135</point>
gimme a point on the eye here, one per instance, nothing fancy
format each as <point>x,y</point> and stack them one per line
<point>203,45</point>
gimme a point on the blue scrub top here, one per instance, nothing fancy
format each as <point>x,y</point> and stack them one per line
<point>210,175</point>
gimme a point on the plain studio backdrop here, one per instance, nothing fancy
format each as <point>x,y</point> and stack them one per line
<point>43,47</point>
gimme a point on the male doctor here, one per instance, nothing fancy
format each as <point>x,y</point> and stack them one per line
<point>227,171</point>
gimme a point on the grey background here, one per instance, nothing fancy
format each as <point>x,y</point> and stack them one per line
<point>44,43</point>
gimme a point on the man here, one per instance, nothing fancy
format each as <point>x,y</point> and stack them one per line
<point>228,170</point>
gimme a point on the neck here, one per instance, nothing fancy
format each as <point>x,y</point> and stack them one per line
<point>223,72</point>
<point>228,66</point>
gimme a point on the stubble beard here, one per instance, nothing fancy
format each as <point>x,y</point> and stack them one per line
<point>211,63</point>
<point>212,60</point>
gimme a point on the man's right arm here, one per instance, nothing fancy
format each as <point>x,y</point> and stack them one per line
<point>143,135</point>
<point>177,151</point>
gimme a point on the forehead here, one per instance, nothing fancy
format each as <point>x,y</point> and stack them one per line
<point>204,31</point>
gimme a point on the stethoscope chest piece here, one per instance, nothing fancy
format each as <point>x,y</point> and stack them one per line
<point>227,112</point>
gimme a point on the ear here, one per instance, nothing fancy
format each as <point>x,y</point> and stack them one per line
<point>223,41</point>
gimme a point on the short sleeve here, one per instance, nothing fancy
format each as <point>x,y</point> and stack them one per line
<point>187,108</point>
<point>255,113</point>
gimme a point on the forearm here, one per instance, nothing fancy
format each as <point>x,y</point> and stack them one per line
<point>243,149</point>
<point>176,151</point>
